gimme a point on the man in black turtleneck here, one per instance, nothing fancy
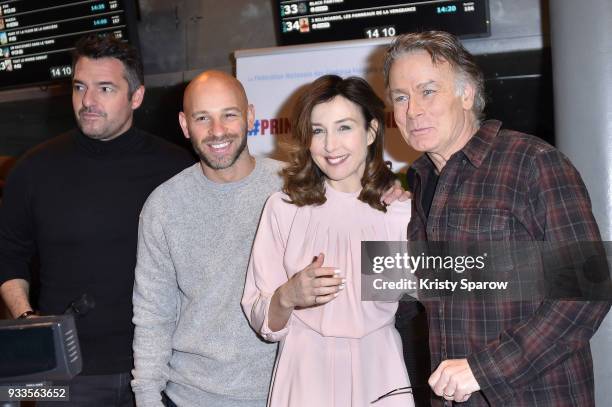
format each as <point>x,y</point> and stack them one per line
<point>75,201</point>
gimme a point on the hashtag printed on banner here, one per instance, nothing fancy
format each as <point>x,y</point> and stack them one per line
<point>255,130</point>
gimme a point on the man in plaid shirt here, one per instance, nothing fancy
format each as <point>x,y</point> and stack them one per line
<point>478,181</point>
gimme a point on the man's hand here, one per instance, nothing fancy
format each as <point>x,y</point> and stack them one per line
<point>454,380</point>
<point>395,193</point>
<point>15,295</point>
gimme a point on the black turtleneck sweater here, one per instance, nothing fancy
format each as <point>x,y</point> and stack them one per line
<point>76,202</point>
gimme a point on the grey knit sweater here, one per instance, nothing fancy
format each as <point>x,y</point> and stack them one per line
<point>191,338</point>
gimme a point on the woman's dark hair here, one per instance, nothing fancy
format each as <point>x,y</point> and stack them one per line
<point>304,182</point>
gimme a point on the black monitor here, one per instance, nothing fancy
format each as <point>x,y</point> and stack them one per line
<point>304,22</point>
<point>35,350</point>
<point>38,36</point>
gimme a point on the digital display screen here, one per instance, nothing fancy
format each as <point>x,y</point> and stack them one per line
<point>26,351</point>
<point>305,22</point>
<point>38,36</point>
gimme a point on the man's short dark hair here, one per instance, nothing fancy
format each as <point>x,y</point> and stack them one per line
<point>107,46</point>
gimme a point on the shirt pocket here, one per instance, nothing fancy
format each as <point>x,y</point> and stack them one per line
<point>485,225</point>
<point>479,224</point>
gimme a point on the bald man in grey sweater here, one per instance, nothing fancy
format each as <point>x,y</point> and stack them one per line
<point>191,338</point>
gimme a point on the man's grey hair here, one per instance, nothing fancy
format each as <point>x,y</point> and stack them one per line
<point>442,47</point>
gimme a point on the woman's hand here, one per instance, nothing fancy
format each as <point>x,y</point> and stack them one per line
<point>314,285</point>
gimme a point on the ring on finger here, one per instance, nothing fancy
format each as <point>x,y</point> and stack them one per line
<point>450,396</point>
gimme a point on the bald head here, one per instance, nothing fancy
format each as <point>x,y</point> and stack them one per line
<point>214,82</point>
<point>216,117</point>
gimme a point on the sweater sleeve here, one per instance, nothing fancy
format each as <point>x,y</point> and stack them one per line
<point>156,304</point>
<point>266,271</point>
<point>17,239</point>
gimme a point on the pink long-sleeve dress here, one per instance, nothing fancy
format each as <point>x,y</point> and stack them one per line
<point>343,353</point>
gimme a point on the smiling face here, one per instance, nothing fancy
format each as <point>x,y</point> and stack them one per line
<point>340,140</point>
<point>100,98</point>
<point>431,107</point>
<point>216,118</point>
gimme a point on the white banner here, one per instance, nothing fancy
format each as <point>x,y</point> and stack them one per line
<point>272,76</point>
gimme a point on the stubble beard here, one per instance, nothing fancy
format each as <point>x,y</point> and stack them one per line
<point>105,132</point>
<point>224,162</point>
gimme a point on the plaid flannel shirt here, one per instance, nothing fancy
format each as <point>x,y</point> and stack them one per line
<point>505,185</point>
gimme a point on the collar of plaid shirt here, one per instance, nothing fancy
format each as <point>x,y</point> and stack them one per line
<point>475,150</point>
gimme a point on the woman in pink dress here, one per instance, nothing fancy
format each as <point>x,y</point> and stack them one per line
<point>303,284</point>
